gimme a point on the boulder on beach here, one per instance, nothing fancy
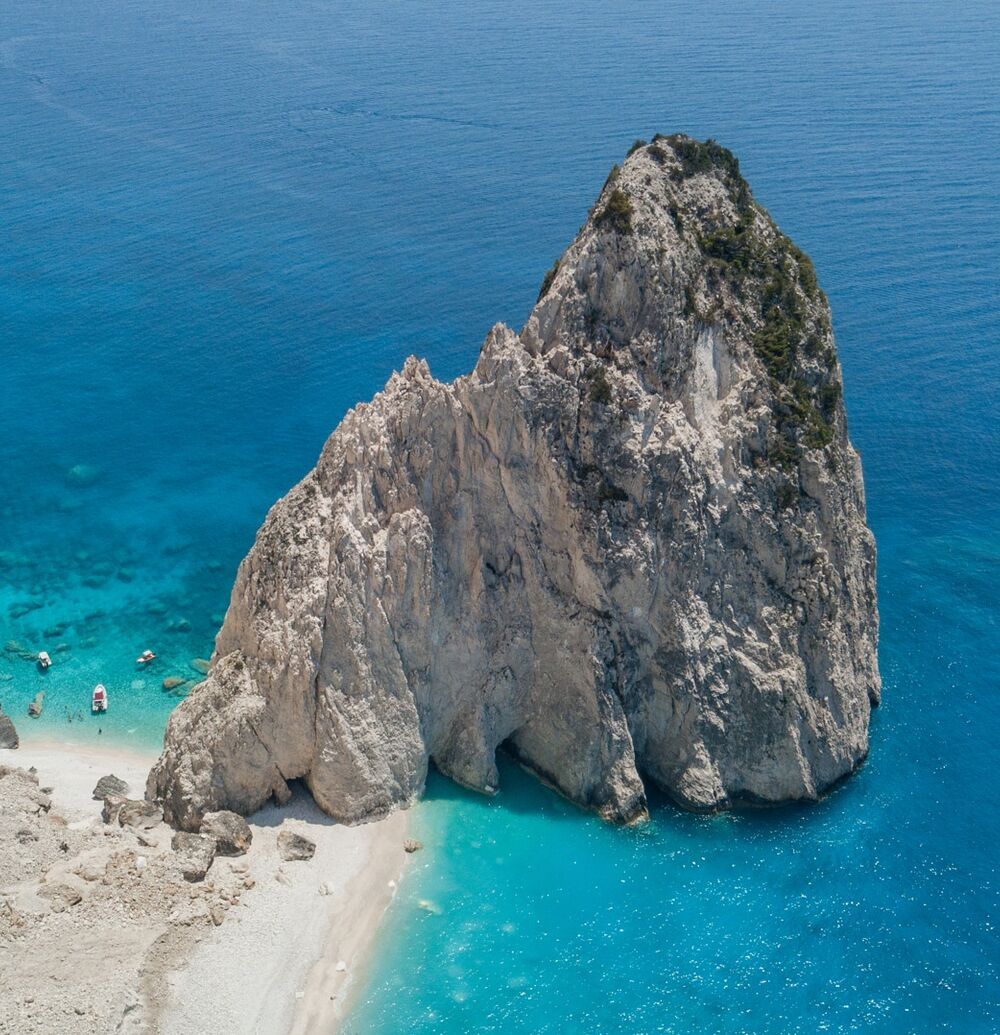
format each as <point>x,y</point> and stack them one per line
<point>40,801</point>
<point>36,706</point>
<point>294,847</point>
<point>142,815</point>
<point>8,734</point>
<point>108,786</point>
<point>62,896</point>
<point>92,868</point>
<point>112,806</point>
<point>195,853</point>
<point>410,846</point>
<point>231,833</point>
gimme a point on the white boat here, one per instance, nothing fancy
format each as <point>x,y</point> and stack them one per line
<point>44,660</point>
<point>100,701</point>
<point>145,657</point>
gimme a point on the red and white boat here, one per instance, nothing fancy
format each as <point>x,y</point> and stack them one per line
<point>145,657</point>
<point>100,701</point>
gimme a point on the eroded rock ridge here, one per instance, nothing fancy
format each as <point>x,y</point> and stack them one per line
<point>630,546</point>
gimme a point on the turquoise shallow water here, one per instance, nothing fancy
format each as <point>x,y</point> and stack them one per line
<point>224,224</point>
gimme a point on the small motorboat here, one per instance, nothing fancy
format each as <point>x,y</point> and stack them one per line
<point>100,701</point>
<point>44,660</point>
<point>145,657</point>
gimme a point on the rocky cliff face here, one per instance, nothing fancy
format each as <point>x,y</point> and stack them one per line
<point>630,546</point>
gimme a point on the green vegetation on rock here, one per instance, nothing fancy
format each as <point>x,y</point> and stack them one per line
<point>698,157</point>
<point>547,280</point>
<point>803,412</point>
<point>600,390</point>
<point>788,495</point>
<point>766,270</point>
<point>616,214</point>
<point>657,153</point>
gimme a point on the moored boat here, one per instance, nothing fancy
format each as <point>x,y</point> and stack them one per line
<point>100,699</point>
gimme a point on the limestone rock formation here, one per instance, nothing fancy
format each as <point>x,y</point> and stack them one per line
<point>629,546</point>
<point>294,847</point>
<point>109,786</point>
<point>140,815</point>
<point>8,733</point>
<point>231,833</point>
<point>194,854</point>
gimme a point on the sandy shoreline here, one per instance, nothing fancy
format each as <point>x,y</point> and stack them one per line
<point>271,965</point>
<point>72,768</point>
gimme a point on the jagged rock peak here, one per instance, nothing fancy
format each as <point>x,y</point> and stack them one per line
<point>631,541</point>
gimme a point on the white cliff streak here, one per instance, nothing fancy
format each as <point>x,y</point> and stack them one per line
<point>629,546</point>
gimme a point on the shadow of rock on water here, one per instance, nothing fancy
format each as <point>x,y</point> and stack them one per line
<point>519,791</point>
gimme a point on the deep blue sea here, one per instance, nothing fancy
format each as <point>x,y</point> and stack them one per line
<point>225,223</point>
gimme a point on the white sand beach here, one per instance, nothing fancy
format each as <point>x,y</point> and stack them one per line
<point>72,769</point>
<point>272,966</point>
<point>260,945</point>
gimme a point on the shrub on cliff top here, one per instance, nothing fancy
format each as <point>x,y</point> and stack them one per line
<point>616,214</point>
<point>698,157</point>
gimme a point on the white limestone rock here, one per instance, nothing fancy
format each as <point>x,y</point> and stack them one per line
<point>631,541</point>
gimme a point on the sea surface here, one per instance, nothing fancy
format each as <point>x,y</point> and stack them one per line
<point>225,223</point>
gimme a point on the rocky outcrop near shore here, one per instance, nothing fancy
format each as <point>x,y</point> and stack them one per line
<point>8,733</point>
<point>111,922</point>
<point>93,914</point>
<point>629,548</point>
